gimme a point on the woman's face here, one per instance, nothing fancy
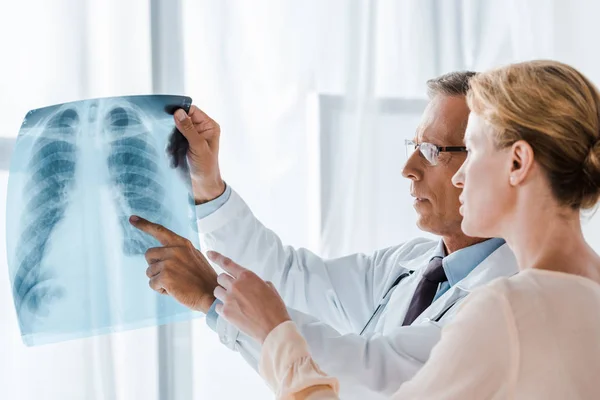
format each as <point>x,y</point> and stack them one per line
<point>484,178</point>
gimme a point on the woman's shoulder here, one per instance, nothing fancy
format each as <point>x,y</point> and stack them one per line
<point>524,298</point>
<point>541,281</point>
<point>538,280</point>
<point>530,291</point>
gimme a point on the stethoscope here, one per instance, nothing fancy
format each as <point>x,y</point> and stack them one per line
<point>386,298</point>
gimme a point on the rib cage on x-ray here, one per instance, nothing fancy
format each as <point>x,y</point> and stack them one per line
<point>134,171</point>
<point>119,144</point>
<point>52,169</point>
<point>131,161</point>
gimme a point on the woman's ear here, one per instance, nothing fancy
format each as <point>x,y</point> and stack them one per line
<point>521,162</point>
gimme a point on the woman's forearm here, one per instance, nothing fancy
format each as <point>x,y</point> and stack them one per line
<point>289,370</point>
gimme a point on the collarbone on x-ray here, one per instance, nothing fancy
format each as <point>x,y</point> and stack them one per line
<point>82,169</point>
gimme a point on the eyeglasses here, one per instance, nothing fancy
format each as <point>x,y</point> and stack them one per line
<point>431,152</point>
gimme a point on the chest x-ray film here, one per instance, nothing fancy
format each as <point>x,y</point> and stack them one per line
<point>78,171</point>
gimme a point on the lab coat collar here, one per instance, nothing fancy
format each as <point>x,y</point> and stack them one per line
<point>459,264</point>
<point>501,263</point>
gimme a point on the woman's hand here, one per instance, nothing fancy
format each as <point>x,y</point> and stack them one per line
<point>250,303</point>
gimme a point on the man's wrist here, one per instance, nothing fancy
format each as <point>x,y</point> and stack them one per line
<point>208,191</point>
<point>206,303</point>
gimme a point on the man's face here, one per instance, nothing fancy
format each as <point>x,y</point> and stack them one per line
<point>436,198</point>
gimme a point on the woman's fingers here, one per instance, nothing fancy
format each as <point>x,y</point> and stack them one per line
<point>226,263</point>
<point>220,293</point>
<point>225,280</point>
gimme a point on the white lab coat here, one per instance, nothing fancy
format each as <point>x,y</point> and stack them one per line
<point>331,300</point>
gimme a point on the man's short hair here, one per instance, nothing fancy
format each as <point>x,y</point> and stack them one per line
<point>450,84</point>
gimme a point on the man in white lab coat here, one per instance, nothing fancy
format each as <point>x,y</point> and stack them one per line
<point>370,320</point>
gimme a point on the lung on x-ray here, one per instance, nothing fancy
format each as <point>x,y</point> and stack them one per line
<point>78,171</point>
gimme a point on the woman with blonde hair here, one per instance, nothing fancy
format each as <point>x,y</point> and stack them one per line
<point>533,164</point>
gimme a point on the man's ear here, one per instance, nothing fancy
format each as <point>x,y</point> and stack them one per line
<point>521,162</point>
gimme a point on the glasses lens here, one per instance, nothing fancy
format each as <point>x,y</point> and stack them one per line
<point>410,147</point>
<point>430,152</point>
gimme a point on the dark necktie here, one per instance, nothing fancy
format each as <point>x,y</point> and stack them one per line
<point>423,297</point>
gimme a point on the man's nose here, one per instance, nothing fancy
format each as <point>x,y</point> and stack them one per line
<point>412,169</point>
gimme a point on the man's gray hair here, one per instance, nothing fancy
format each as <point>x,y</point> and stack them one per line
<point>450,84</point>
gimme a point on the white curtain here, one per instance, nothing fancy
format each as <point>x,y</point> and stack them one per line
<point>407,43</point>
<point>314,99</point>
<point>61,51</point>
